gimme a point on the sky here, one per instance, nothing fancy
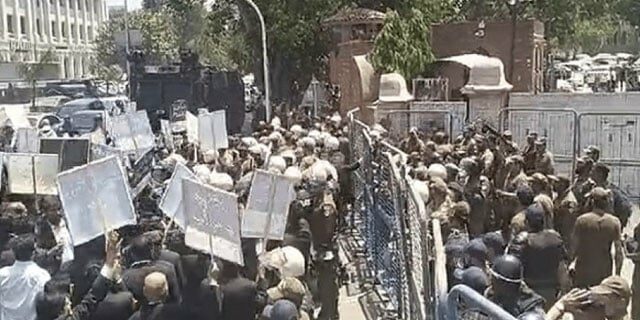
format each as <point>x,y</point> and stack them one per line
<point>133,4</point>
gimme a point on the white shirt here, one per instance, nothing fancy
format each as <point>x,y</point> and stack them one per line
<point>19,286</point>
<point>62,236</point>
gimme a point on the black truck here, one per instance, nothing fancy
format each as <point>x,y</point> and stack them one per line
<point>166,91</point>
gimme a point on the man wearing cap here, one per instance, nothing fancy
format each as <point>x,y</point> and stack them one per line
<point>543,256</point>
<point>593,234</point>
<point>592,152</point>
<point>619,203</point>
<point>508,146</point>
<point>607,300</point>
<point>156,293</point>
<point>544,158</point>
<point>564,208</point>
<point>529,153</point>
<point>412,143</point>
<point>290,289</point>
<point>582,183</point>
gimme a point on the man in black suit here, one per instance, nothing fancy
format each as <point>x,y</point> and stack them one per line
<point>157,307</point>
<point>144,261</point>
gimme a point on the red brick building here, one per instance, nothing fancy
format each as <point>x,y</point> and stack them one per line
<point>352,32</point>
<point>494,39</point>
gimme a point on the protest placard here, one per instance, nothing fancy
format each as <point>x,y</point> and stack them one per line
<point>72,152</point>
<point>27,140</point>
<point>267,206</point>
<point>212,130</point>
<point>101,151</point>
<point>167,133</point>
<point>132,131</point>
<point>95,198</point>
<point>30,173</point>
<point>172,202</point>
<point>192,127</point>
<point>213,223</point>
<point>141,172</point>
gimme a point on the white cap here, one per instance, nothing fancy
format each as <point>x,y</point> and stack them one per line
<point>221,180</point>
<point>294,174</point>
<point>288,260</point>
<point>202,172</point>
<point>314,134</point>
<point>296,129</point>
<point>277,163</point>
<point>210,156</point>
<point>332,143</point>
<point>437,170</point>
<point>307,142</point>
<point>249,141</point>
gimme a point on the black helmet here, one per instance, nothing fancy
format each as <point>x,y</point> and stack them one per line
<point>507,268</point>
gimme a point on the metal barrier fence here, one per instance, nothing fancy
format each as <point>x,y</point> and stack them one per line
<point>403,248</point>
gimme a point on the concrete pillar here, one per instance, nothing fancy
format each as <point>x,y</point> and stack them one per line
<point>58,21</point>
<point>68,21</point>
<point>3,12</point>
<point>85,22</point>
<point>16,19</point>
<point>92,17</point>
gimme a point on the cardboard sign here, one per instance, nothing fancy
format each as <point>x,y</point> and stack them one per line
<point>27,140</point>
<point>72,152</point>
<point>167,134</point>
<point>101,151</point>
<point>267,206</point>
<point>31,173</point>
<point>192,127</point>
<point>213,223</point>
<point>212,130</point>
<point>172,202</point>
<point>95,198</point>
<point>132,131</point>
<point>141,172</point>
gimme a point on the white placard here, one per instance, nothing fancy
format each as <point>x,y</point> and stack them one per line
<point>171,203</point>
<point>96,199</point>
<point>213,221</point>
<point>219,120</point>
<point>212,130</point>
<point>27,140</point>
<point>167,133</point>
<point>192,127</point>
<point>132,131</point>
<point>20,171</point>
<point>270,196</point>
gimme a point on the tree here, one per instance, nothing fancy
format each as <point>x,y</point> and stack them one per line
<point>404,45</point>
<point>32,71</point>
<point>297,42</point>
<point>110,74</point>
<point>159,41</point>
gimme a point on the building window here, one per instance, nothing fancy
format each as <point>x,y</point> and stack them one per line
<point>10,24</point>
<point>54,30</point>
<point>38,3</point>
<point>73,31</point>
<point>79,6</point>
<point>81,32</point>
<point>62,3</point>
<point>89,33</point>
<point>52,2</point>
<point>64,29</point>
<point>38,27</point>
<point>23,25</point>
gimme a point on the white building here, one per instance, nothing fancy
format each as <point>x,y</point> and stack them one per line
<point>67,27</point>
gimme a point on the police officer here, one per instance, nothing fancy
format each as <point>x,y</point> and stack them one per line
<point>508,289</point>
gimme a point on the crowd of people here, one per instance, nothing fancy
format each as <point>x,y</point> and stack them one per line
<point>146,271</point>
<point>536,243</point>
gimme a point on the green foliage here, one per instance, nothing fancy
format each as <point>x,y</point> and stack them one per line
<point>159,41</point>
<point>403,45</point>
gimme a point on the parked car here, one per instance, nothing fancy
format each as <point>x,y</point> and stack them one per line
<point>83,122</point>
<point>71,107</point>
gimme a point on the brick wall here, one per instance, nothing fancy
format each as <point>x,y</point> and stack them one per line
<point>460,38</point>
<point>343,72</point>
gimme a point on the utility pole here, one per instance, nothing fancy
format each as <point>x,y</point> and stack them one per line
<point>265,61</point>
<point>127,46</point>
